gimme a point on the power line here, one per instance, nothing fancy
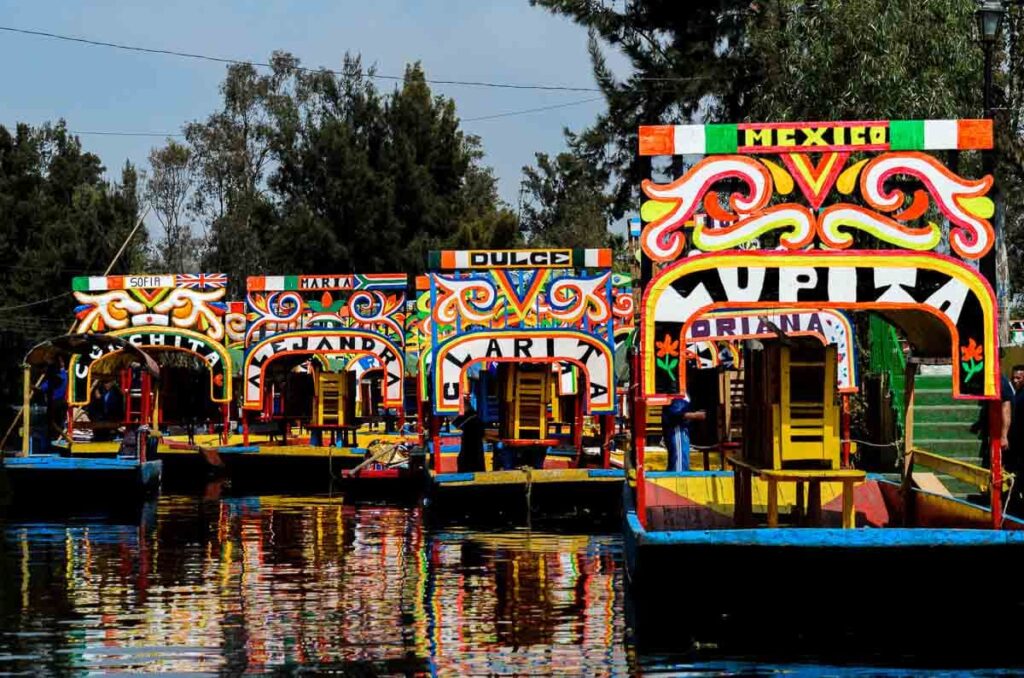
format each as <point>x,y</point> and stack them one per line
<point>223,60</point>
<point>128,134</point>
<point>533,110</point>
<point>493,116</point>
<point>34,303</point>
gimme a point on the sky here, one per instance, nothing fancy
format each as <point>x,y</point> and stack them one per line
<point>99,89</point>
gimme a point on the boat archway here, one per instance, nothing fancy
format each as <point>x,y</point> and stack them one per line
<point>829,326</point>
<point>592,356</point>
<point>211,353</point>
<point>904,287</point>
<point>322,342</point>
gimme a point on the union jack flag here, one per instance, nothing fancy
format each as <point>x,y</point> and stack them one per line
<point>200,280</point>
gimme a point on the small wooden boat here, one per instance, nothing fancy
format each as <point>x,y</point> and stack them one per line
<point>45,474</point>
<point>788,527</point>
<point>528,335</point>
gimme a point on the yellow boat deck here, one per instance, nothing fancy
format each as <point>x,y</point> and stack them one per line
<point>258,444</point>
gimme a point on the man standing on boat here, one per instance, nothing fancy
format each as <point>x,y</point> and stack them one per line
<point>55,390</point>
<point>675,427</point>
<point>1014,457</point>
<point>471,451</point>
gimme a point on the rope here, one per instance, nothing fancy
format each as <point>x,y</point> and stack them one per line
<point>1009,495</point>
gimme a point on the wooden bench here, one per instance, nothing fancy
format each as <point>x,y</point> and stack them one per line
<point>744,471</point>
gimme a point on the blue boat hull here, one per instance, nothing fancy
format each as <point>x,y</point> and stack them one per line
<point>70,481</point>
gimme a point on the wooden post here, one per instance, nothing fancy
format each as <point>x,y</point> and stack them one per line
<point>420,423</point>
<point>226,409</point>
<point>908,444</point>
<point>577,427</point>
<point>848,515</point>
<point>144,406</point>
<point>845,428</point>
<point>607,432</point>
<point>155,418</point>
<point>435,439</point>
<point>26,411</point>
<point>995,436</point>
<point>773,503</point>
<point>639,443</point>
<point>70,419</point>
<point>245,428</point>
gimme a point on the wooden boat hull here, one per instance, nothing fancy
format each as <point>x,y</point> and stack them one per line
<point>880,588</point>
<point>287,469</point>
<point>397,484</point>
<point>69,481</point>
<point>591,497</point>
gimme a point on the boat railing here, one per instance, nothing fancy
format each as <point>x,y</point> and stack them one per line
<point>972,474</point>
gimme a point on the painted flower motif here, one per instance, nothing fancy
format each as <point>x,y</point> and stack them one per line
<point>971,360</point>
<point>972,351</point>
<point>667,347</point>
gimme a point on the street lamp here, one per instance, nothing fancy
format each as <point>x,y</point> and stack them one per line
<point>989,16</point>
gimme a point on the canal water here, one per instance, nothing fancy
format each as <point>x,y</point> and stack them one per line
<point>226,585</point>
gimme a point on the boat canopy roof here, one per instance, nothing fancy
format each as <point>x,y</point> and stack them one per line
<point>927,335</point>
<point>122,352</point>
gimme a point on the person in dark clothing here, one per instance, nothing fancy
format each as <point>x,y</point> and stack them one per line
<point>471,452</point>
<point>1013,457</point>
<point>981,426</point>
<point>55,390</point>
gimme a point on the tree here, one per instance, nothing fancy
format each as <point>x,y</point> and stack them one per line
<point>737,60</point>
<point>168,190</point>
<point>232,150</point>
<point>686,65</point>
<point>371,182</point>
<point>60,219</point>
<point>565,204</point>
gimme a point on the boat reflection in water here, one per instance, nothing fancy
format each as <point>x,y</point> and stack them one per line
<point>251,584</point>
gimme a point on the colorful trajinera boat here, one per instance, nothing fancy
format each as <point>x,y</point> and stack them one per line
<point>45,471</point>
<point>785,218</point>
<point>184,323</point>
<point>526,339</point>
<point>325,357</point>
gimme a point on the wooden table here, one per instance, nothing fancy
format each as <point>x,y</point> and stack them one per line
<point>743,472</point>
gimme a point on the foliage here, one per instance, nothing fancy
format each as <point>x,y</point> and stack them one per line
<point>564,201</point>
<point>61,219</point>
<point>168,189</point>
<point>736,60</point>
<point>308,171</point>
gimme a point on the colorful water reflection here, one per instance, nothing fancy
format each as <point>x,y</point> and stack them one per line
<point>253,584</point>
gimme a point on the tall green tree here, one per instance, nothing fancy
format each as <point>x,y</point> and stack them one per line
<point>565,203</point>
<point>59,218</point>
<point>168,190</point>
<point>344,177</point>
<point>736,60</point>
<point>233,152</point>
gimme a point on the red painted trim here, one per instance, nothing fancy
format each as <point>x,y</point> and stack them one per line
<point>995,436</point>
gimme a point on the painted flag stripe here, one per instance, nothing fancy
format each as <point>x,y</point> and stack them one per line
<point>904,135</point>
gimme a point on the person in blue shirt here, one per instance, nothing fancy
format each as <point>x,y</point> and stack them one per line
<point>55,390</point>
<point>675,428</point>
